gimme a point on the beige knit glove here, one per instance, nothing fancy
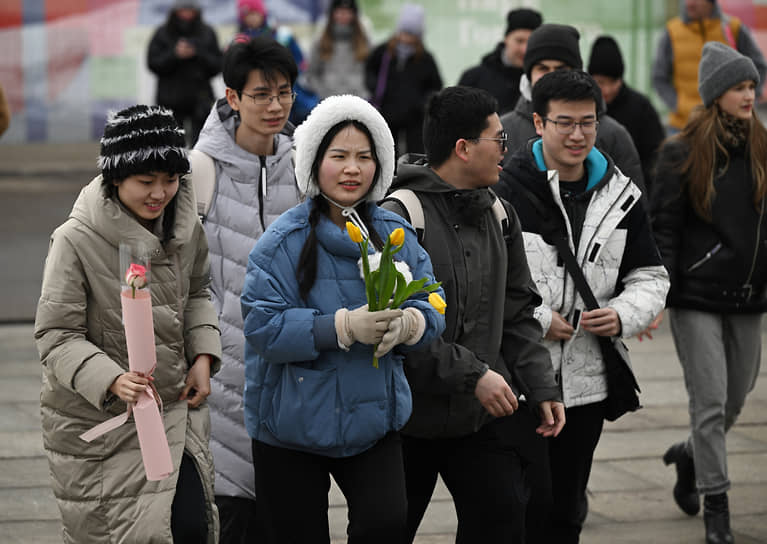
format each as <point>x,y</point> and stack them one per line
<point>360,325</point>
<point>407,329</point>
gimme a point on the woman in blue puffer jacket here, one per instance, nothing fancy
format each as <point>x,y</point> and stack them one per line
<point>315,405</point>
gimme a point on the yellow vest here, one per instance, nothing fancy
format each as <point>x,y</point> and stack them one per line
<point>687,41</point>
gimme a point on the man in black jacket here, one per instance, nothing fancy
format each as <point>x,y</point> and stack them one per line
<point>464,400</point>
<point>184,55</point>
<point>555,47</point>
<point>500,70</point>
<point>630,108</point>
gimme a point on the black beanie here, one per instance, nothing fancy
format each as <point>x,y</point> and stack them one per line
<point>351,4</point>
<point>522,18</point>
<point>139,140</point>
<point>553,42</point>
<point>606,58</point>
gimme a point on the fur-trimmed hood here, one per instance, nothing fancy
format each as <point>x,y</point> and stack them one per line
<point>326,115</point>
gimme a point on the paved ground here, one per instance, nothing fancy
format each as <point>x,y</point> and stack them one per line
<point>630,489</point>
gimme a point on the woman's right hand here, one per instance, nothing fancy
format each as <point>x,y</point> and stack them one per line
<point>129,386</point>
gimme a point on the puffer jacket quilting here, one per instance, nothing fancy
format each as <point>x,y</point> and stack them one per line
<point>233,225</point>
<point>101,487</point>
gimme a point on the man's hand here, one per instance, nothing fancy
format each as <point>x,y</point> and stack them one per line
<point>559,329</point>
<point>552,418</point>
<point>651,327</point>
<point>129,386</point>
<point>495,394</point>
<point>197,380</point>
<point>602,322</point>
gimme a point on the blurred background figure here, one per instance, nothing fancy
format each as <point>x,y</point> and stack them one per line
<point>337,57</point>
<point>5,112</point>
<point>675,69</point>
<point>184,55</point>
<point>499,71</point>
<point>401,75</point>
<point>630,108</point>
<point>253,20</point>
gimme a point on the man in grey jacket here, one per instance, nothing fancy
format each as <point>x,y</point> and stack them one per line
<point>466,385</point>
<point>255,183</point>
<point>555,47</point>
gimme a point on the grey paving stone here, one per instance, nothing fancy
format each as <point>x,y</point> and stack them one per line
<point>21,367</point>
<point>19,417</point>
<point>19,444</point>
<point>753,527</point>
<point>652,505</point>
<point>20,388</point>
<point>27,504</point>
<point>647,443</point>
<point>29,472</point>
<point>26,532</point>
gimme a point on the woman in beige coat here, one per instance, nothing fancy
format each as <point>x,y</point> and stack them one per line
<point>101,486</point>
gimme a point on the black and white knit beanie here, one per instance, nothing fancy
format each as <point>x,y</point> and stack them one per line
<point>326,115</point>
<point>720,68</point>
<point>139,140</point>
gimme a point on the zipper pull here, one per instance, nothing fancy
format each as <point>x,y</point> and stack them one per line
<point>263,179</point>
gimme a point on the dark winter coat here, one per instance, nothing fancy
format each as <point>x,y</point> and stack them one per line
<point>718,265</point>
<point>635,112</point>
<point>184,84</point>
<point>406,91</point>
<point>497,78</point>
<point>489,316</point>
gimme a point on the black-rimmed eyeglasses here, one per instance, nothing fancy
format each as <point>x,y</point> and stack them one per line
<point>567,126</point>
<point>265,99</point>
<point>503,140</point>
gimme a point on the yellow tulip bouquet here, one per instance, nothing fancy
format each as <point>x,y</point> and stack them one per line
<point>387,287</point>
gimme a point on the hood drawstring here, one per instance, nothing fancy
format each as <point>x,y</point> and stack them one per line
<point>351,213</point>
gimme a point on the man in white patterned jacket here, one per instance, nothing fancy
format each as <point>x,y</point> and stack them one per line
<point>579,186</point>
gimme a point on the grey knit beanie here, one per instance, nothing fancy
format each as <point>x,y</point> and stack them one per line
<point>720,68</point>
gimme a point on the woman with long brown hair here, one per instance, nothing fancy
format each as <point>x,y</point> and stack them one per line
<point>711,229</point>
<point>337,57</point>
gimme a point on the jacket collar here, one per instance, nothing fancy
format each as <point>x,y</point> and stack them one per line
<point>596,164</point>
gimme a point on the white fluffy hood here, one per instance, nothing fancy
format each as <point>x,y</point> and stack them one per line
<point>323,117</point>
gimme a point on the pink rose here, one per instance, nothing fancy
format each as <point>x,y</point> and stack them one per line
<point>135,277</point>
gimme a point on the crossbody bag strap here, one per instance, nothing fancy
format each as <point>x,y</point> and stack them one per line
<point>560,242</point>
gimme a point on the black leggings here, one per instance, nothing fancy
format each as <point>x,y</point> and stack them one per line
<point>292,488</point>
<point>189,517</point>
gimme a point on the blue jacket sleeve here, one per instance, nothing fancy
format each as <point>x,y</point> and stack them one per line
<point>275,324</point>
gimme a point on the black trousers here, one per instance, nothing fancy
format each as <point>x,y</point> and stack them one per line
<point>558,474</point>
<point>241,521</point>
<point>570,458</point>
<point>292,487</point>
<point>484,475</point>
<point>188,518</point>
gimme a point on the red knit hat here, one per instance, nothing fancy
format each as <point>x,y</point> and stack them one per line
<point>246,6</point>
